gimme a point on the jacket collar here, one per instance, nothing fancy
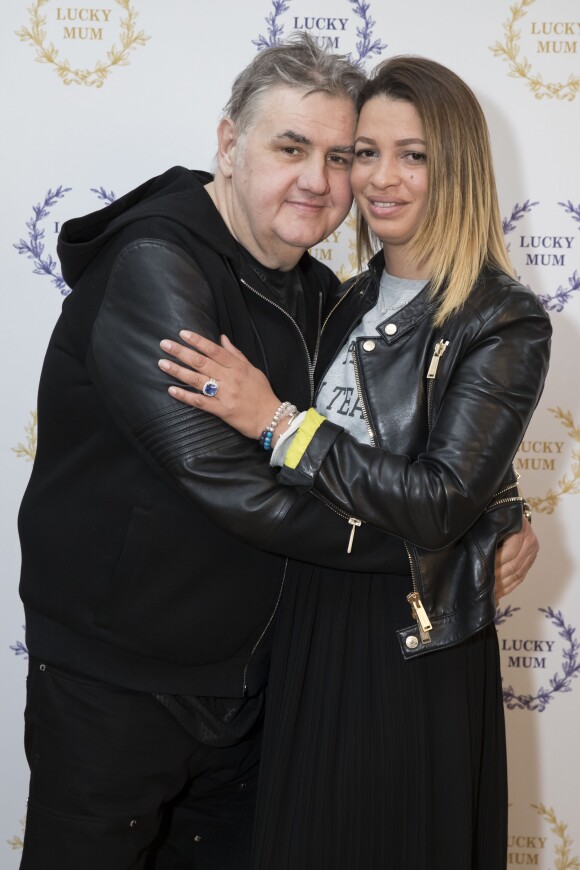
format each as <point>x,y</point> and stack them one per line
<point>399,324</point>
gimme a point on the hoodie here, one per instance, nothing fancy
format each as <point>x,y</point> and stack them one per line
<point>125,576</point>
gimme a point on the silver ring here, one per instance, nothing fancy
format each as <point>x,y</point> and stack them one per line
<point>210,387</point>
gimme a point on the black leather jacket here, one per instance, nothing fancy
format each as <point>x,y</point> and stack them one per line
<point>444,485</point>
<point>446,409</point>
<point>129,574</point>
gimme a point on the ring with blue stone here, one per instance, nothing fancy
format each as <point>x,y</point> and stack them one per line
<point>210,387</point>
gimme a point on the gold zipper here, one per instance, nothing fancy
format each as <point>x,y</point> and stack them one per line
<point>420,614</point>
<point>418,611</point>
<point>496,500</point>
<point>354,522</point>
<point>440,349</point>
<point>366,418</point>
<point>355,525</point>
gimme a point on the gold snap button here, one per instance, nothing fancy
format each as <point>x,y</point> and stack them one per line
<point>412,642</point>
<point>369,345</point>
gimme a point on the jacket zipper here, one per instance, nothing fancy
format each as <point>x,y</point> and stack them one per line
<point>352,521</point>
<point>310,362</point>
<point>264,632</point>
<point>355,284</point>
<point>496,500</point>
<point>328,316</point>
<point>418,611</point>
<point>440,349</point>
<point>366,417</point>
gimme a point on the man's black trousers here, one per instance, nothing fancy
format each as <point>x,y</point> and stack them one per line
<point>118,784</point>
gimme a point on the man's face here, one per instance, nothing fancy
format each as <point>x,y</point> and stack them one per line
<point>290,175</point>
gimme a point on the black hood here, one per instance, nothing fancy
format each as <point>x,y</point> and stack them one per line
<point>170,195</point>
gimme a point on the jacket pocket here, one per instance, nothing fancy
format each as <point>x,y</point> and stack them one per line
<point>123,585</point>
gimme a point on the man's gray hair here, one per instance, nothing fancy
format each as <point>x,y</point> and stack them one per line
<point>297,63</point>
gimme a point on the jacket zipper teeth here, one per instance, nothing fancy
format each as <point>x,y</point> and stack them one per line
<point>506,489</point>
<point>505,501</point>
<point>311,363</point>
<point>417,609</point>
<point>361,400</point>
<point>354,522</point>
<point>264,631</point>
<point>328,316</point>
<point>317,347</point>
<point>440,349</point>
<point>336,305</point>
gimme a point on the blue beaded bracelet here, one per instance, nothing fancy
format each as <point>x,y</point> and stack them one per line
<point>286,409</point>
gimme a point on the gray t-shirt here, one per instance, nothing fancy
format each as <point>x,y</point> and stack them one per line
<point>338,398</point>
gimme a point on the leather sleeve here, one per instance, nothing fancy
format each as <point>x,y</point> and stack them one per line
<point>482,417</point>
<point>155,290</point>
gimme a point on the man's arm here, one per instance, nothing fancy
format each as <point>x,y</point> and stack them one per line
<point>155,288</point>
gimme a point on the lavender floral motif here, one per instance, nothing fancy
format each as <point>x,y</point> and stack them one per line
<point>103,195</point>
<point>33,249</point>
<point>563,294</point>
<point>19,648</point>
<point>574,210</point>
<point>365,45</point>
<point>509,224</point>
<point>502,616</point>
<point>559,682</point>
<point>275,30</point>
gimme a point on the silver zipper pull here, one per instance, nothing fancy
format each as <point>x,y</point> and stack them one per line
<point>420,614</point>
<point>355,524</point>
<point>440,349</point>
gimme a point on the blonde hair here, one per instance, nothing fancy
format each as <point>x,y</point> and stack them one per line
<point>462,230</point>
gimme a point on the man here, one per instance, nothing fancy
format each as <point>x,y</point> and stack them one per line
<point>148,624</point>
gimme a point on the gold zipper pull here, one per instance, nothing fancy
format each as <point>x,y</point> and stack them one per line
<point>420,614</point>
<point>355,524</point>
<point>440,349</point>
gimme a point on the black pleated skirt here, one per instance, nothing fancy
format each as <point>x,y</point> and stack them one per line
<point>371,762</point>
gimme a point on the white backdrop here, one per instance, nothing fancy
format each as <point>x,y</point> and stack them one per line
<point>96,100</point>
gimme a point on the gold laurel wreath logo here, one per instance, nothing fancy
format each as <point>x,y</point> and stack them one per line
<point>28,451</point>
<point>117,56</point>
<point>563,859</point>
<point>17,842</point>
<point>521,67</point>
<point>567,485</point>
<point>346,272</point>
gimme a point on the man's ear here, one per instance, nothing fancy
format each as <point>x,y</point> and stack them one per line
<point>227,144</point>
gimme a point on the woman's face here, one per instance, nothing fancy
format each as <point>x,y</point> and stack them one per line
<point>389,174</point>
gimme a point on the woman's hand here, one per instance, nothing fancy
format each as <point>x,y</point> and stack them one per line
<point>244,398</point>
<point>515,557</point>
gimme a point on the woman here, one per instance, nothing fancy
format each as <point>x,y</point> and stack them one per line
<point>384,743</point>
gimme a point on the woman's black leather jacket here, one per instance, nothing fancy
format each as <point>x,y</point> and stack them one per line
<point>446,409</point>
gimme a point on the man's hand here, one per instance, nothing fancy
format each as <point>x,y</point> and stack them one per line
<point>515,557</point>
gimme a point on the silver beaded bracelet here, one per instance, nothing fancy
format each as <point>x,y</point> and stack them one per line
<point>286,409</point>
